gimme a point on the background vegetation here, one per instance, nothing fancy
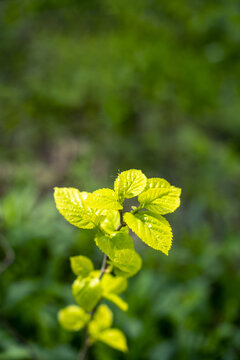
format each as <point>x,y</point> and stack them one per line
<point>90,87</point>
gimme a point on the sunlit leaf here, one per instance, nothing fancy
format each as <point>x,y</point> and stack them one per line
<point>110,221</point>
<point>120,250</point>
<point>105,199</point>
<point>156,183</point>
<point>113,284</point>
<point>129,183</point>
<point>102,320</point>
<point>87,292</point>
<point>152,229</point>
<point>114,338</point>
<point>117,300</point>
<point>73,318</point>
<point>70,203</point>
<point>161,200</point>
<point>81,265</point>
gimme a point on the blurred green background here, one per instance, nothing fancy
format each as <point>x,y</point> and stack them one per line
<point>88,88</point>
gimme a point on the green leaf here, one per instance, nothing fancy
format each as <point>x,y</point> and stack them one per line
<point>127,262</point>
<point>117,300</point>
<point>113,284</point>
<point>70,203</point>
<point>73,318</point>
<point>81,265</point>
<point>129,183</point>
<point>102,320</point>
<point>114,338</point>
<point>120,250</point>
<point>105,199</point>
<point>162,200</point>
<point>153,229</point>
<point>87,292</point>
<point>111,221</point>
<point>99,329</point>
<point>156,183</point>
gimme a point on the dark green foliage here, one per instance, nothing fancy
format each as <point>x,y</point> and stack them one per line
<point>90,87</point>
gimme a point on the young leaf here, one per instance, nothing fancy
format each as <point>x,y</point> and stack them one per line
<point>114,338</point>
<point>129,183</point>
<point>152,229</point>
<point>162,200</point>
<point>81,265</point>
<point>120,250</point>
<point>113,284</point>
<point>102,320</point>
<point>110,222</point>
<point>70,203</point>
<point>73,318</point>
<point>156,183</point>
<point>87,292</point>
<point>105,199</point>
<point>127,262</point>
<point>109,244</point>
<point>117,300</point>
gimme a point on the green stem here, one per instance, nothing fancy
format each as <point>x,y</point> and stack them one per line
<point>103,267</point>
<point>83,354</point>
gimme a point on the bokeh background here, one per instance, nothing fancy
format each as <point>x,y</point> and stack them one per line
<point>88,88</point>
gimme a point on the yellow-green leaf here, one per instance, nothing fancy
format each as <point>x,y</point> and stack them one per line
<point>129,183</point>
<point>105,199</point>
<point>156,183</point>
<point>73,318</point>
<point>127,262</point>
<point>162,200</point>
<point>87,292</point>
<point>113,284</point>
<point>114,338</point>
<point>102,320</point>
<point>117,300</point>
<point>81,265</point>
<point>70,203</point>
<point>110,221</point>
<point>152,229</point>
<point>120,250</point>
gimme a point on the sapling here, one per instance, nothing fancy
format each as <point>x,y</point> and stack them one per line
<point>103,210</point>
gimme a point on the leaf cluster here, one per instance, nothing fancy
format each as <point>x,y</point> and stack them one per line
<point>103,210</point>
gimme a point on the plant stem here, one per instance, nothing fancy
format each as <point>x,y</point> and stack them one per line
<point>103,267</point>
<point>83,354</point>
